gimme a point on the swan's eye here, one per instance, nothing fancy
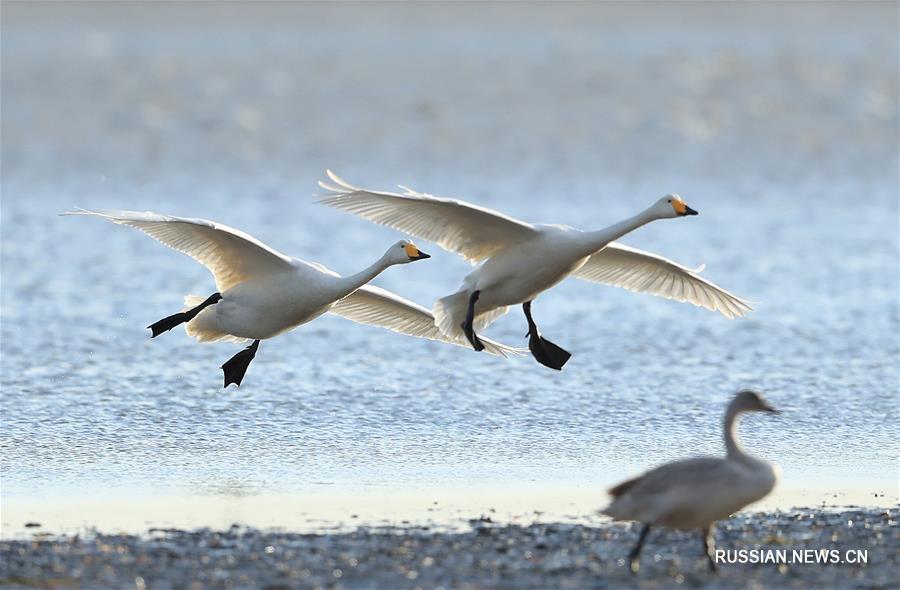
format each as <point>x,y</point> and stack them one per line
<point>669,201</point>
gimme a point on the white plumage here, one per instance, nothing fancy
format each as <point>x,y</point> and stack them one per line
<point>642,272</point>
<point>473,232</point>
<point>231,255</point>
<point>265,293</point>
<point>379,307</point>
<point>519,260</point>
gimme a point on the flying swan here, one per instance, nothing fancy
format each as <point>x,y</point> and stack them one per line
<point>521,260</point>
<point>694,493</point>
<point>261,293</point>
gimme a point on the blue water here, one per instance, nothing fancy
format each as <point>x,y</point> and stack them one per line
<point>779,124</point>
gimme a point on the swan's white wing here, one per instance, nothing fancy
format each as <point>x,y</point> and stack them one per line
<point>635,270</point>
<point>231,255</point>
<point>378,307</point>
<point>471,231</point>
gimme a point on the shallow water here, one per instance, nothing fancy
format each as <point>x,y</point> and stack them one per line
<point>778,123</point>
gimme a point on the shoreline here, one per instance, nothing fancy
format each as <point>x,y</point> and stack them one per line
<point>341,506</point>
<point>483,554</point>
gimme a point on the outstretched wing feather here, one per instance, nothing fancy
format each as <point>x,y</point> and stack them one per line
<point>231,255</point>
<point>643,272</point>
<point>473,232</point>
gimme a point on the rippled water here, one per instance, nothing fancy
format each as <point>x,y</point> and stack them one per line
<point>778,123</point>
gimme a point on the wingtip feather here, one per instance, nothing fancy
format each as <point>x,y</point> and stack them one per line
<point>340,181</point>
<point>78,211</point>
<point>335,190</point>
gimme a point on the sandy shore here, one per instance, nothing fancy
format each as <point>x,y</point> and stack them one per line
<point>486,555</point>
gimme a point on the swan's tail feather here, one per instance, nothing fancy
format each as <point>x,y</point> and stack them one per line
<point>484,320</point>
<point>193,301</point>
<point>450,312</point>
<point>205,327</point>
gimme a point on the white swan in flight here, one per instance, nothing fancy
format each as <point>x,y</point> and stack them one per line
<point>523,260</point>
<point>694,493</point>
<point>262,293</point>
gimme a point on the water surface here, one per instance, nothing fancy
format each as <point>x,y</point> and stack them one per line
<point>778,123</point>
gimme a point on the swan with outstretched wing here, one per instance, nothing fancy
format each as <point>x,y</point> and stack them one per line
<point>262,293</point>
<point>519,261</point>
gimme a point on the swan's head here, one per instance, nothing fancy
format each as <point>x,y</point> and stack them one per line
<point>404,252</point>
<point>671,206</point>
<point>752,401</point>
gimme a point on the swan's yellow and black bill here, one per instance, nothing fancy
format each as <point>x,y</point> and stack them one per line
<point>681,207</point>
<point>415,254</point>
<point>770,409</point>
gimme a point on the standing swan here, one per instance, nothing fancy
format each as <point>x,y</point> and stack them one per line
<point>524,260</point>
<point>694,493</point>
<point>262,293</point>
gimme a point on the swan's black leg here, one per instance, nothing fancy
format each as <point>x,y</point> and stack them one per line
<point>544,351</point>
<point>709,546</point>
<point>166,324</point>
<point>235,367</point>
<point>470,318</point>
<point>634,556</point>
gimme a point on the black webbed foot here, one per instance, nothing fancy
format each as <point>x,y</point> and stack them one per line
<point>544,351</point>
<point>473,338</point>
<point>467,325</point>
<point>547,353</point>
<point>167,323</point>
<point>235,367</point>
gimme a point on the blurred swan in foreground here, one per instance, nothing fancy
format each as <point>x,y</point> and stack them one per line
<point>523,260</point>
<point>262,293</point>
<point>694,493</point>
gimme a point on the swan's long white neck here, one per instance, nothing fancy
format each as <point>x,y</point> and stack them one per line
<point>351,283</point>
<point>732,442</point>
<point>597,240</point>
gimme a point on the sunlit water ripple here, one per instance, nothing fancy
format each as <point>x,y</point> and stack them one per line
<point>786,144</point>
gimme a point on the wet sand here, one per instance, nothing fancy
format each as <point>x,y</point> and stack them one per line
<point>484,555</point>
